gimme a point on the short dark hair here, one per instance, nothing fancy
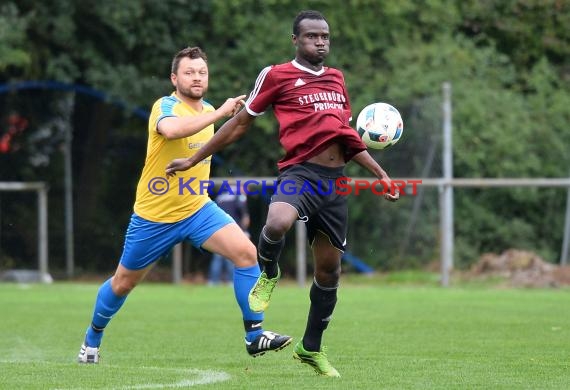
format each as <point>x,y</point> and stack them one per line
<point>189,52</point>
<point>309,14</point>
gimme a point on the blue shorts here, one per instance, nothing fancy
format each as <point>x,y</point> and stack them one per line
<point>147,241</point>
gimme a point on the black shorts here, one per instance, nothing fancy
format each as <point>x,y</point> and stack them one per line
<point>312,190</point>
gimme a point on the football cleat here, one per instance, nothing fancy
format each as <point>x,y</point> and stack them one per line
<point>88,354</point>
<point>317,360</point>
<point>267,341</point>
<point>260,294</point>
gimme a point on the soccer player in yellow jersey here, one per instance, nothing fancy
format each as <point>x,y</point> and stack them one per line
<point>165,214</point>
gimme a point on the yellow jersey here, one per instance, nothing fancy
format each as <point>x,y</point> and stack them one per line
<point>162,199</point>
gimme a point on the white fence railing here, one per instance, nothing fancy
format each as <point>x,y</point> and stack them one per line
<point>445,228</point>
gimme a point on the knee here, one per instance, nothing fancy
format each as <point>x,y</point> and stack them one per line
<point>123,285</point>
<point>276,228</point>
<point>328,277</point>
<point>249,256</point>
<point>246,256</point>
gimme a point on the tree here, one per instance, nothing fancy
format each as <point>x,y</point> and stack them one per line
<point>507,61</point>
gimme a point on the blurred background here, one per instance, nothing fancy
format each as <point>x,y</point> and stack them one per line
<point>78,78</point>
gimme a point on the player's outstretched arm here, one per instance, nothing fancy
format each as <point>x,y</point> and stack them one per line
<point>364,159</point>
<point>227,134</point>
<point>179,127</point>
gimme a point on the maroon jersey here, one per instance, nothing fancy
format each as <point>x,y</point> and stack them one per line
<point>312,109</point>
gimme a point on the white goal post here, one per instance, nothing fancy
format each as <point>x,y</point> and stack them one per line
<point>42,243</point>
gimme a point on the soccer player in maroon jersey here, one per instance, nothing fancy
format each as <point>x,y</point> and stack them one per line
<point>311,104</point>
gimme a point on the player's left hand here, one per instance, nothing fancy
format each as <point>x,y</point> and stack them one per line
<point>392,196</point>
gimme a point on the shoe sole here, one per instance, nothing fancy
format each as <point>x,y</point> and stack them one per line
<point>258,309</point>
<point>286,343</point>
<point>261,306</point>
<point>309,363</point>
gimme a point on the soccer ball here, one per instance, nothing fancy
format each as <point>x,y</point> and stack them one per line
<point>380,125</point>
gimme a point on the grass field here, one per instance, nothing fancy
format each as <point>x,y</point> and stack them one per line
<point>382,336</point>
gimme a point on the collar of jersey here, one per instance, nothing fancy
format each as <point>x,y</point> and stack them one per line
<point>305,69</point>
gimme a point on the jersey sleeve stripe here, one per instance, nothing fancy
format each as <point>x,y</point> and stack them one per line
<point>258,83</point>
<point>167,107</point>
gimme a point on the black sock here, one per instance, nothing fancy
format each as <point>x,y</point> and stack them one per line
<point>252,326</point>
<point>323,302</point>
<point>268,252</point>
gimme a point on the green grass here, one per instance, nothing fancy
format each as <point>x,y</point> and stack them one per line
<point>382,336</point>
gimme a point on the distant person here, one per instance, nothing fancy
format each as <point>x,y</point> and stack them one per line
<point>311,104</point>
<point>180,124</point>
<point>234,202</point>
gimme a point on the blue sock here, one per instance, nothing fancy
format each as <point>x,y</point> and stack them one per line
<point>244,279</point>
<point>106,305</point>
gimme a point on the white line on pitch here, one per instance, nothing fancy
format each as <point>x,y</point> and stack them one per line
<point>198,377</point>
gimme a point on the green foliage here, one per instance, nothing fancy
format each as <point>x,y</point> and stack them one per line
<point>12,37</point>
<point>507,62</point>
<point>525,30</point>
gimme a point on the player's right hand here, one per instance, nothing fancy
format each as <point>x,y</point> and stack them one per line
<point>179,164</point>
<point>233,105</point>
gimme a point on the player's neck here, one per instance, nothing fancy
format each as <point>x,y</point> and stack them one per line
<point>195,104</point>
<point>308,65</point>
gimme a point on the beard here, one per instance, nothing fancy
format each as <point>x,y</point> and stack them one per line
<point>188,93</point>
